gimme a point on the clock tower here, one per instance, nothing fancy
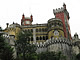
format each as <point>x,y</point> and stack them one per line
<point>26,20</point>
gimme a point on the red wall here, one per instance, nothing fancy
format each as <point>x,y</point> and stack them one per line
<point>61,16</point>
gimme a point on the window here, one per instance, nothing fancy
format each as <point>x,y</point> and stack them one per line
<point>43,29</point>
<point>40,30</point>
<point>27,22</point>
<point>46,37</point>
<point>40,38</point>
<point>43,38</point>
<point>36,30</point>
<point>37,38</point>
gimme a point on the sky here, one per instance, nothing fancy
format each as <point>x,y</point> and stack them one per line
<point>42,10</point>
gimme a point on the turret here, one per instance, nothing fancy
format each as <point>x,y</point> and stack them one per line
<point>23,16</point>
<point>76,36</point>
<point>26,20</point>
<point>31,17</point>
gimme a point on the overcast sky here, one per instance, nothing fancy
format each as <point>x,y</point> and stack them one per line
<point>42,10</point>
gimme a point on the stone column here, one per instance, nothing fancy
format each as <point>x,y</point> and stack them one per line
<point>34,35</point>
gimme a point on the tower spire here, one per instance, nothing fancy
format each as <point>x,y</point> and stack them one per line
<point>23,16</point>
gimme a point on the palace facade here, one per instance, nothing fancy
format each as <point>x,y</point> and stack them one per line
<point>52,36</point>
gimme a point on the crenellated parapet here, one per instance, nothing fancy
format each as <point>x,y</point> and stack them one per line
<point>58,40</point>
<point>55,44</point>
<point>58,10</point>
<point>53,41</point>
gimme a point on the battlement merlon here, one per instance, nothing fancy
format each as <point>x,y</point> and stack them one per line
<point>58,10</point>
<point>62,9</point>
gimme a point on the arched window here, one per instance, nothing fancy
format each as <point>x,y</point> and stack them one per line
<point>40,38</point>
<point>37,38</point>
<point>36,30</point>
<point>40,30</point>
<point>43,29</point>
<point>44,38</point>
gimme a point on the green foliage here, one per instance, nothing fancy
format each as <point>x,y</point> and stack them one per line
<point>26,51</point>
<point>78,56</point>
<point>22,44</point>
<point>32,56</point>
<point>6,52</point>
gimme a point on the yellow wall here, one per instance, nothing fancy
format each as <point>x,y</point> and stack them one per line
<point>51,33</point>
<point>12,31</point>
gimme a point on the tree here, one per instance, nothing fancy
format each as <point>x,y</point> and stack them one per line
<point>78,56</point>
<point>22,44</point>
<point>6,52</point>
<point>1,45</point>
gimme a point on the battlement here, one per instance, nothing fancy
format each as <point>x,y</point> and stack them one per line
<point>58,40</point>
<point>53,41</point>
<point>58,10</point>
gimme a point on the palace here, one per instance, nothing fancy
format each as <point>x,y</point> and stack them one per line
<point>53,36</point>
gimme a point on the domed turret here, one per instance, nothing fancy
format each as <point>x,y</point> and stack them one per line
<point>26,20</point>
<point>76,36</point>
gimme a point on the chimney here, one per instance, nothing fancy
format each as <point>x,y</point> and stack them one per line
<point>7,24</point>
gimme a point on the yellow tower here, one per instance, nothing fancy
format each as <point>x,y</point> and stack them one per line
<point>55,28</point>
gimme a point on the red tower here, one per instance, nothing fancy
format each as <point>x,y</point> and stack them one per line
<point>62,13</point>
<point>26,20</point>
